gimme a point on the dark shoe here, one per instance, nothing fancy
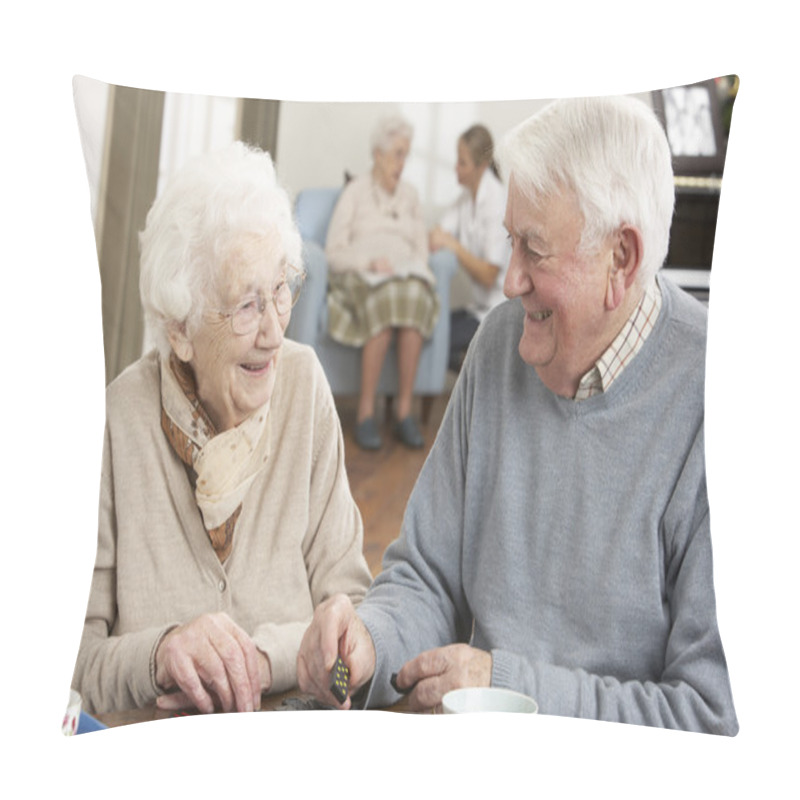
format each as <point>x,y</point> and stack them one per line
<point>367,436</point>
<point>408,433</point>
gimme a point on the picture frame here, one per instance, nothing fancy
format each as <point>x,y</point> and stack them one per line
<point>691,116</point>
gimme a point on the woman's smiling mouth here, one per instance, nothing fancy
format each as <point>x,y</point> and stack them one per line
<point>257,368</point>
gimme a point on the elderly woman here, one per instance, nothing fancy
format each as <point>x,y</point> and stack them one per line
<point>473,229</point>
<point>225,511</point>
<point>380,281</point>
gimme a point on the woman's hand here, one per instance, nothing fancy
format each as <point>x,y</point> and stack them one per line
<point>211,664</point>
<point>436,672</point>
<point>439,239</point>
<point>382,266</point>
<point>335,630</point>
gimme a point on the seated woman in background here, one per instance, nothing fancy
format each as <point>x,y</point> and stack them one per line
<point>473,229</point>
<point>380,280</point>
<point>225,511</point>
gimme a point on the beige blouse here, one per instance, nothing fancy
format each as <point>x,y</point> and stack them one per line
<point>370,223</point>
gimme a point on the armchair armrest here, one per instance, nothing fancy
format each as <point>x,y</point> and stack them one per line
<point>443,264</point>
<point>433,364</point>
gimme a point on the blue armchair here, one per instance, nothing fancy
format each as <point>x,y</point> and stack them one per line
<point>309,321</point>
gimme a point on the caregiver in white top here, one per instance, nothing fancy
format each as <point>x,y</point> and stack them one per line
<point>473,227</point>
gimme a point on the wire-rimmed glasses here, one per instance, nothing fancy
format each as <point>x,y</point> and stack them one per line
<point>246,316</point>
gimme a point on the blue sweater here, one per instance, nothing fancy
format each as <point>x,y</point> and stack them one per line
<point>569,539</point>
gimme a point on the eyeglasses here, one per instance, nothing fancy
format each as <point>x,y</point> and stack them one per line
<point>246,316</point>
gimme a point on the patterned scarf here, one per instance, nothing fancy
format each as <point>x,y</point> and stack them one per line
<point>221,466</point>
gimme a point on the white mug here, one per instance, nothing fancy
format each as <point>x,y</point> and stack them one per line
<point>490,698</point>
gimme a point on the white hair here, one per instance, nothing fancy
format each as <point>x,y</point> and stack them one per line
<point>612,154</point>
<point>206,209</point>
<point>387,129</point>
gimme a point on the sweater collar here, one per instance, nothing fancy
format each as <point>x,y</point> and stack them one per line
<point>626,345</point>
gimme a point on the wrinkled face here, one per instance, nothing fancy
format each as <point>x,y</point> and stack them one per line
<point>235,374</point>
<point>468,174</point>
<point>389,163</point>
<point>562,291</point>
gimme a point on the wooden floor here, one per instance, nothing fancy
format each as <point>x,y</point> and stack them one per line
<point>381,481</point>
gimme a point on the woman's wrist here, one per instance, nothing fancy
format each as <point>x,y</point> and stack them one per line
<point>158,673</point>
<point>264,671</point>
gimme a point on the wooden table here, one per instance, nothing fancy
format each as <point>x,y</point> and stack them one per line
<point>269,702</point>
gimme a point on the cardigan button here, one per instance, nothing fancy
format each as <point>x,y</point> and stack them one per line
<point>222,586</point>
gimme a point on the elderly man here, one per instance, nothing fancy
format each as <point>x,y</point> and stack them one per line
<point>557,541</point>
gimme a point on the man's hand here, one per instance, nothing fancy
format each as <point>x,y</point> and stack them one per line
<point>335,630</point>
<point>436,672</point>
<point>211,664</point>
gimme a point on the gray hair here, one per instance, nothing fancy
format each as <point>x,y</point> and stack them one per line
<point>613,155</point>
<point>386,130</point>
<point>204,212</point>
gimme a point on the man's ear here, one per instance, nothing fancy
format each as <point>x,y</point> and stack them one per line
<point>627,253</point>
<point>181,345</point>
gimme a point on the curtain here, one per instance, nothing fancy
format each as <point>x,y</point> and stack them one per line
<point>133,143</point>
<point>258,124</point>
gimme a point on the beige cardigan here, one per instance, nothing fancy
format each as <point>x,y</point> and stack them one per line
<point>297,541</point>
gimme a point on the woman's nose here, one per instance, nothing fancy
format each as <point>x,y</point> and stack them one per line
<point>271,326</point>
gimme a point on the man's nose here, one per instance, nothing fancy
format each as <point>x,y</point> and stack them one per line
<point>517,281</point>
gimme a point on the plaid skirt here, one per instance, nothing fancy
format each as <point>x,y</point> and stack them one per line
<point>357,311</point>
